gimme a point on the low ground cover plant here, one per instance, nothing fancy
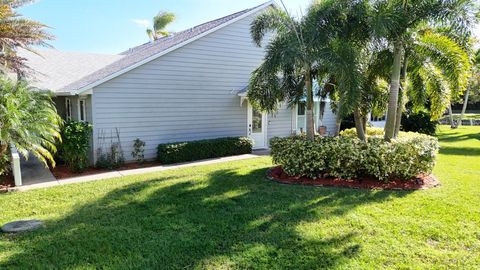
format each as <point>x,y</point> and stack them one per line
<point>347,157</point>
<point>203,149</point>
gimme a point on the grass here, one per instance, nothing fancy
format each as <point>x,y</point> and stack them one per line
<point>228,216</point>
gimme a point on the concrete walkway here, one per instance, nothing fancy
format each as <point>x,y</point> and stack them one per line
<point>102,176</point>
<point>35,172</point>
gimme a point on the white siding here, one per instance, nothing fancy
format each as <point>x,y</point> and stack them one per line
<point>280,123</point>
<point>187,94</point>
<point>329,119</point>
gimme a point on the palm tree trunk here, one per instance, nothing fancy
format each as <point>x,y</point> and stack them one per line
<point>394,87</point>
<point>450,115</point>
<point>402,95</point>
<point>464,108</point>
<point>309,106</point>
<point>365,123</point>
<point>359,124</point>
<point>338,120</point>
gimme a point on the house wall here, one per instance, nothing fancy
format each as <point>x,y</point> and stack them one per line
<point>329,119</point>
<point>280,123</point>
<point>187,94</point>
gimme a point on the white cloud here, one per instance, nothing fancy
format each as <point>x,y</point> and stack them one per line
<point>142,22</point>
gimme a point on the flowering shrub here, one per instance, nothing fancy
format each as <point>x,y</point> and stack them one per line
<point>347,157</point>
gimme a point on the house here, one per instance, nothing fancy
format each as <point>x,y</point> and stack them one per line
<point>187,86</point>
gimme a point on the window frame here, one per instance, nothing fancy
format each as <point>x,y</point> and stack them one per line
<point>68,109</point>
<point>82,106</point>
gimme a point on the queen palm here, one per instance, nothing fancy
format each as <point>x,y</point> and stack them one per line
<point>28,120</point>
<point>394,21</point>
<point>160,23</point>
<point>438,69</point>
<point>323,43</point>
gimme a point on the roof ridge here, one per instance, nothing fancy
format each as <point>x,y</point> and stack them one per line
<point>131,50</point>
<point>149,51</point>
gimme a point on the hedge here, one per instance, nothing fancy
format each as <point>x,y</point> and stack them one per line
<point>347,157</point>
<point>196,150</point>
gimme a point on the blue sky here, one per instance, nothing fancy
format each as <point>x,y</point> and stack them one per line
<point>112,26</point>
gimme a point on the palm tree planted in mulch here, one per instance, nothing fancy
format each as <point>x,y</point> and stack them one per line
<point>321,46</point>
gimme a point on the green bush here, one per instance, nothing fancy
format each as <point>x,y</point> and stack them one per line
<point>419,122</point>
<point>203,149</point>
<point>111,158</point>
<point>75,144</point>
<point>371,131</point>
<point>5,162</point>
<point>347,157</point>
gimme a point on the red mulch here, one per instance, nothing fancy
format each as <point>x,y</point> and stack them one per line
<point>420,182</point>
<point>62,171</point>
<point>6,182</point>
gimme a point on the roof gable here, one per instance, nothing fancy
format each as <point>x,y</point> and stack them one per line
<point>147,52</point>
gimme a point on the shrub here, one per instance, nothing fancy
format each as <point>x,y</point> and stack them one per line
<point>347,157</point>
<point>203,149</point>
<point>75,145</point>
<point>371,131</point>
<point>112,159</point>
<point>419,122</point>
<point>138,152</point>
<point>5,162</point>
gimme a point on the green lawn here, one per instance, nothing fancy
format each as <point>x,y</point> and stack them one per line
<point>228,216</point>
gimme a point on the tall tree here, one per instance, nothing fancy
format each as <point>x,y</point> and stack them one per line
<point>301,51</point>
<point>160,23</point>
<point>393,21</point>
<point>18,32</point>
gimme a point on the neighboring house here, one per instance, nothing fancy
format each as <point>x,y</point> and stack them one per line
<point>187,86</point>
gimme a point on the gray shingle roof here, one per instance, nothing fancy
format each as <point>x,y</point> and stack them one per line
<point>145,51</point>
<point>53,69</point>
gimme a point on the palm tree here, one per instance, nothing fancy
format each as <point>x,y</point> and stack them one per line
<point>160,22</point>
<point>323,43</point>
<point>394,20</point>
<point>435,69</point>
<point>17,32</point>
<point>474,83</point>
<point>28,120</point>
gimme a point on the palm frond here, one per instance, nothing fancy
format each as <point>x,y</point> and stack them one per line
<point>447,55</point>
<point>272,20</point>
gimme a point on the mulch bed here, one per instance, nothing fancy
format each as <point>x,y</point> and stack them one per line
<point>6,182</point>
<point>420,182</point>
<point>62,171</point>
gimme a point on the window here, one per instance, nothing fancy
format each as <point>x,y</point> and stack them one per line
<point>68,109</point>
<point>82,113</point>
<point>301,109</point>
<point>301,119</point>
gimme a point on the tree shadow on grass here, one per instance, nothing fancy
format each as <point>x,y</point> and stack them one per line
<point>459,151</point>
<point>226,220</point>
<point>458,136</point>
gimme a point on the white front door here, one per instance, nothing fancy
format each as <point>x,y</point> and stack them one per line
<point>257,127</point>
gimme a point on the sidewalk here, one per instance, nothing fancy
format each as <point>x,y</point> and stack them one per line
<point>113,174</point>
